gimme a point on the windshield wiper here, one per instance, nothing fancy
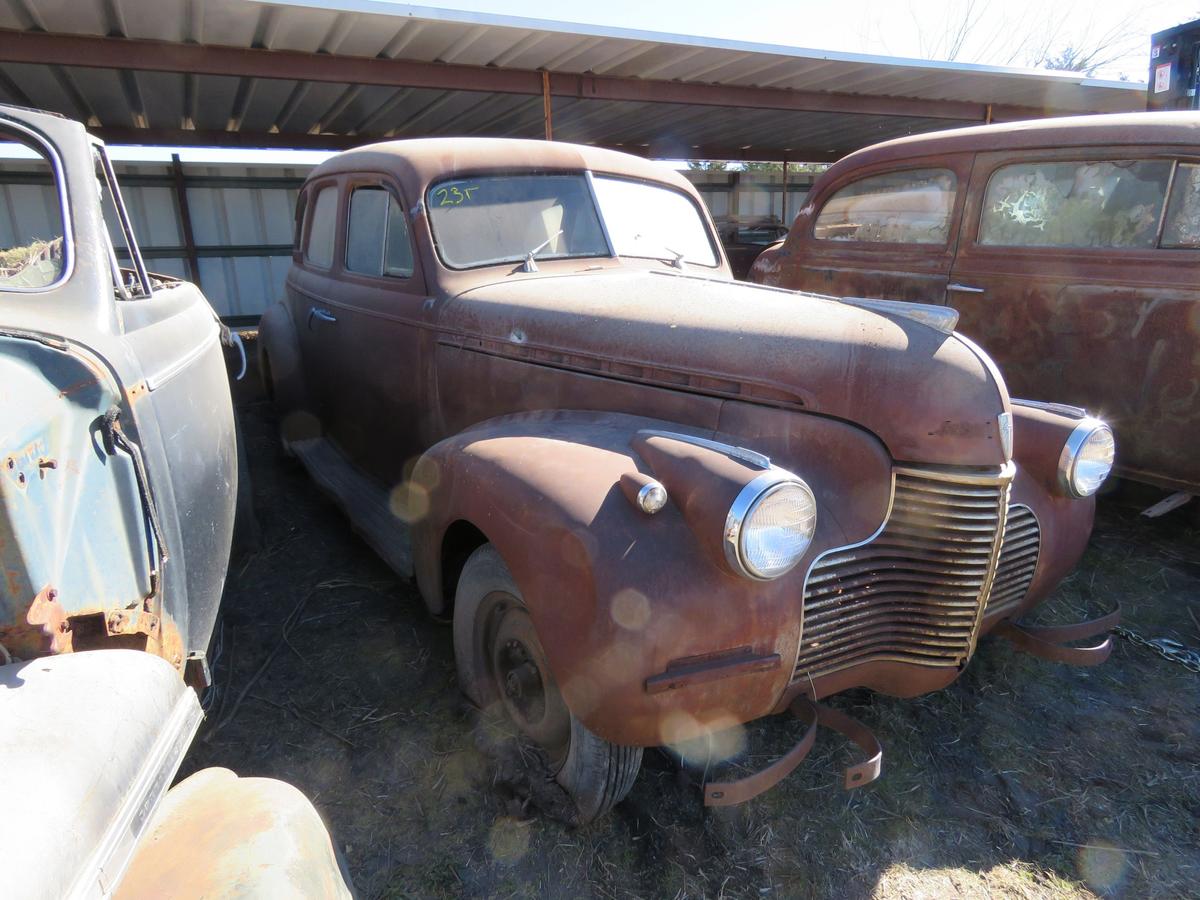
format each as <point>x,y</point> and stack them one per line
<point>529,265</point>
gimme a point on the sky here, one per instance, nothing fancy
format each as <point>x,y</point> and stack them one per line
<point>1002,33</point>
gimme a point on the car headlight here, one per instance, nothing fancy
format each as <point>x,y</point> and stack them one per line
<point>770,525</point>
<point>1087,458</point>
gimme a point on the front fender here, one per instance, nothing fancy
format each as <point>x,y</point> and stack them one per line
<point>618,596</point>
<point>1064,522</point>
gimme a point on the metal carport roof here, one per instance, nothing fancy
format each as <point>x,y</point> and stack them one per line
<point>333,73</point>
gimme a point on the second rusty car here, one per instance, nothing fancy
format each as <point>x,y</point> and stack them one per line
<point>1070,248</point>
<point>657,503</point>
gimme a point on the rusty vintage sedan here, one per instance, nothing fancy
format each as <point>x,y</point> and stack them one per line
<point>656,503</point>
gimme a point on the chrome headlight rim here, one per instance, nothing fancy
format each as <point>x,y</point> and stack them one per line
<point>755,491</point>
<point>1069,458</point>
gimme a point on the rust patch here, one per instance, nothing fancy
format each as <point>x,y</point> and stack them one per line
<point>47,612</point>
<point>50,629</point>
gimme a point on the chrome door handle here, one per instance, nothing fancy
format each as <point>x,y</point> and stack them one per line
<point>323,314</point>
<point>964,288</point>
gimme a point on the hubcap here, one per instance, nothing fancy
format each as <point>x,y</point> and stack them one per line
<point>523,680</point>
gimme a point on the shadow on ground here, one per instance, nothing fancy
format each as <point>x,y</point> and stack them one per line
<point>1024,778</point>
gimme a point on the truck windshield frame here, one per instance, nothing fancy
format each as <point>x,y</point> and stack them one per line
<point>15,133</point>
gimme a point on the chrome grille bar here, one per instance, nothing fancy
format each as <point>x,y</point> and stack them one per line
<point>915,591</point>
<point>1018,560</point>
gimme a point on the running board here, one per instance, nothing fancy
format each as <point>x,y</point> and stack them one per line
<point>361,498</point>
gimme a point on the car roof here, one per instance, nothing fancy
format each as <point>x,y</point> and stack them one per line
<point>1122,129</point>
<point>416,162</point>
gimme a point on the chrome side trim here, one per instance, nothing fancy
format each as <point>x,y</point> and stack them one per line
<point>939,318</point>
<point>1063,409</point>
<point>742,454</point>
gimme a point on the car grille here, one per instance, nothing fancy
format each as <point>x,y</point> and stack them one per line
<point>914,592</point>
<point>1018,560</point>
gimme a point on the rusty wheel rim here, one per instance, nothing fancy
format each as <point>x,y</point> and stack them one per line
<point>522,679</point>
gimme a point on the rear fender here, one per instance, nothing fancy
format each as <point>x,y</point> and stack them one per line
<point>279,359</point>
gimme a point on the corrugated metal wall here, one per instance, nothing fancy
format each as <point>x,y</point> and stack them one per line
<point>241,218</point>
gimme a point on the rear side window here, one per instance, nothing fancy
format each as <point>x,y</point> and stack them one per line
<point>912,207</point>
<point>1182,227</point>
<point>377,235</point>
<point>1109,203</point>
<point>33,249</point>
<point>319,251</point>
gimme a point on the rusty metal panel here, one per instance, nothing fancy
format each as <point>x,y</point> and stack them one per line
<point>74,542</point>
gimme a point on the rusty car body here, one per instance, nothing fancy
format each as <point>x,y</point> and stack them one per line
<point>117,497</point>
<point>744,240</point>
<point>656,502</point>
<point>1069,247</point>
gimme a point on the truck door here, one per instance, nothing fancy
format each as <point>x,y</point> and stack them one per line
<point>182,399</point>
<point>1083,284</point>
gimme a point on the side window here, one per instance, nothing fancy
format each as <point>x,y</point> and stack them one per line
<point>377,235</point>
<point>1182,228</point>
<point>299,220</point>
<point>319,251</point>
<point>33,250</point>
<point>1110,203</point>
<point>911,207</point>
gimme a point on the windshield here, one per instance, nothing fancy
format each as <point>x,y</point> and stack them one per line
<point>655,222</point>
<point>504,218</point>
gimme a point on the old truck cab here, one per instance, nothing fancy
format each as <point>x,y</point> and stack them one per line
<point>117,495</point>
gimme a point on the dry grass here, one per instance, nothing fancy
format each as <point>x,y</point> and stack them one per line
<point>1023,779</point>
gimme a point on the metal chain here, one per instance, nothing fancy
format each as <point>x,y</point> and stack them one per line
<point>1164,647</point>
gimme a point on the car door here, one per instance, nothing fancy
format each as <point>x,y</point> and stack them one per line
<point>884,232</point>
<point>1084,284</point>
<point>310,280</point>
<point>379,303</point>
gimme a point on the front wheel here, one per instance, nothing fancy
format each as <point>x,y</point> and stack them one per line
<point>501,663</point>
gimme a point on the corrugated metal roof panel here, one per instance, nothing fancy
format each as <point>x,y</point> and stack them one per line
<point>368,28</point>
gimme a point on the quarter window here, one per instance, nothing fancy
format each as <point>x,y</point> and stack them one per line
<point>1182,228</point>
<point>912,207</point>
<point>377,240</point>
<point>32,239</point>
<point>1107,203</point>
<point>320,234</point>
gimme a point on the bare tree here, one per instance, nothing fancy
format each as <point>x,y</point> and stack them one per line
<point>1042,36</point>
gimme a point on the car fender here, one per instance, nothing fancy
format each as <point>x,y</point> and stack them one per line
<point>620,598</point>
<point>1064,522</point>
<point>279,359</point>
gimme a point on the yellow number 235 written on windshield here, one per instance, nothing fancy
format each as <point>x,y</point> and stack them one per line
<point>454,195</point>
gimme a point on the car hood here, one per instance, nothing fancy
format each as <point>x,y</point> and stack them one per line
<point>931,397</point>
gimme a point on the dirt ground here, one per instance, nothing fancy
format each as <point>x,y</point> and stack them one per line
<point>1024,778</point>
